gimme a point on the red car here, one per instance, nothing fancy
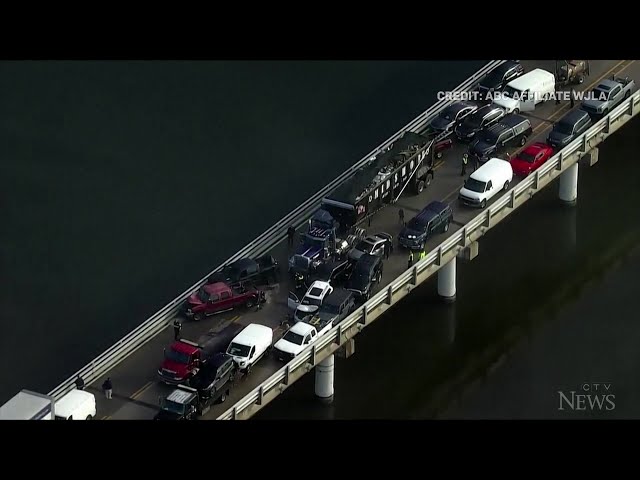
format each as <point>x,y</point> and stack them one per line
<point>531,158</point>
<point>219,297</point>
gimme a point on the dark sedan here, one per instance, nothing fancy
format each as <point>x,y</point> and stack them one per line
<point>451,116</point>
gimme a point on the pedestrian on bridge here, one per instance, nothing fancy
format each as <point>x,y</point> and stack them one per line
<point>401,216</point>
<point>410,262</point>
<point>291,233</point>
<point>177,326</point>
<point>557,95</point>
<point>465,161</point>
<point>387,250</point>
<point>423,253</point>
<point>107,388</point>
<point>79,383</point>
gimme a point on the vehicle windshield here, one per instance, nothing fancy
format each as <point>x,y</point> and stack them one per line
<point>564,128</point>
<point>238,350</point>
<point>315,292</point>
<point>174,407</point>
<point>527,157</point>
<point>300,262</point>
<point>293,337</point>
<point>414,224</point>
<point>311,301</point>
<point>448,114</point>
<point>177,357</point>
<point>599,94</point>
<point>473,121</point>
<point>313,241</point>
<point>202,295</point>
<point>365,246</point>
<point>475,185</point>
<point>511,92</point>
<point>493,78</point>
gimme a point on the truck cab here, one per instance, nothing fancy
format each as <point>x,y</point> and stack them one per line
<point>181,404</point>
<point>182,360</point>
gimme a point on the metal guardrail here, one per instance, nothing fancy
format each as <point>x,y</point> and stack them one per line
<point>426,267</point>
<point>263,243</point>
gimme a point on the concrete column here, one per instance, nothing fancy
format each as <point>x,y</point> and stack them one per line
<point>324,379</point>
<point>447,281</point>
<point>569,185</point>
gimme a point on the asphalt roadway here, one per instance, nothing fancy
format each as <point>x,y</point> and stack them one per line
<point>136,388</point>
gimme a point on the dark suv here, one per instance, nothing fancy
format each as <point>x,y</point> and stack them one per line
<point>434,218</point>
<point>214,380</point>
<point>570,127</point>
<point>334,272</point>
<point>483,118</point>
<point>366,272</point>
<point>511,130</point>
<point>498,78</point>
<point>337,306</point>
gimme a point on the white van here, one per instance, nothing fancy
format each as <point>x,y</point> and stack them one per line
<point>525,92</point>
<point>76,405</point>
<point>250,345</point>
<point>481,186</point>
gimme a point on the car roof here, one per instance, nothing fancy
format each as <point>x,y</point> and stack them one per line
<point>512,120</point>
<point>218,359</point>
<point>506,66</point>
<point>180,396</point>
<point>301,328</point>
<point>484,173</point>
<point>71,401</point>
<point>607,84</point>
<point>243,263</point>
<point>534,149</point>
<point>487,109</point>
<point>367,260</point>
<point>533,76</point>
<point>184,346</point>
<point>338,296</point>
<point>217,287</point>
<point>456,107</point>
<point>319,284</point>
<point>574,116</point>
<point>251,333</point>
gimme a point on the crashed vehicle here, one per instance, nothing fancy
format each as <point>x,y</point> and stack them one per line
<point>319,245</point>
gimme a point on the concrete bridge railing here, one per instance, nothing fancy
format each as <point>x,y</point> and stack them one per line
<point>440,256</point>
<point>262,244</point>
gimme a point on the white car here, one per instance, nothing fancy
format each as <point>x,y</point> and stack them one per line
<point>250,345</point>
<point>76,405</point>
<point>295,340</point>
<point>311,300</point>
<point>488,180</point>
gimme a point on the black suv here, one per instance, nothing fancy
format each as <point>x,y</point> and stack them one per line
<point>434,218</point>
<point>498,78</point>
<point>335,272</point>
<point>511,130</point>
<point>337,306</point>
<point>570,127</point>
<point>482,118</point>
<point>214,380</point>
<point>366,272</point>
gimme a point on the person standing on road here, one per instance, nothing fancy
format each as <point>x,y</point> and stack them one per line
<point>387,250</point>
<point>107,388</point>
<point>557,95</point>
<point>410,262</point>
<point>79,383</point>
<point>177,326</point>
<point>423,253</point>
<point>465,161</point>
<point>401,216</point>
<point>291,233</point>
<point>572,95</point>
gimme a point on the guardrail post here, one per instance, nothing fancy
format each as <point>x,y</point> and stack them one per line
<point>512,200</point>
<point>560,159</point>
<point>583,146</point>
<point>488,220</point>
<point>363,320</point>
<point>439,258</point>
<point>313,355</point>
<point>390,295</point>
<point>339,335</point>
<point>234,413</point>
<point>260,395</point>
<point>631,106</point>
<point>286,374</point>
<point>607,124</point>
<point>414,279</point>
<point>537,180</point>
<point>464,236</point>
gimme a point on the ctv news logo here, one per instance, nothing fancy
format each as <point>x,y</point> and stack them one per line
<point>589,396</point>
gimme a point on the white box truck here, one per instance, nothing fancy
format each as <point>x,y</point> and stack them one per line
<point>27,405</point>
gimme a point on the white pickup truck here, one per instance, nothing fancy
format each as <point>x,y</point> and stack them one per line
<point>300,335</point>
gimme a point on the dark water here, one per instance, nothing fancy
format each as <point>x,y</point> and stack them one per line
<point>124,182</point>
<point>549,304</point>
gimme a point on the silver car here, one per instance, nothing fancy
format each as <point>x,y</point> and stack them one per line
<point>373,245</point>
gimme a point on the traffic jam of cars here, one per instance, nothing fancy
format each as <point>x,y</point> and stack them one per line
<point>334,265</point>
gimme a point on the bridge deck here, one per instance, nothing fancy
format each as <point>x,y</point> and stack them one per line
<point>136,387</point>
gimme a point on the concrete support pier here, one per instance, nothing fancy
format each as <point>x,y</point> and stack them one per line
<point>447,281</point>
<point>568,192</point>
<point>324,379</point>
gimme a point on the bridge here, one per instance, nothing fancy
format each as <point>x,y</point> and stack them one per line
<point>132,363</point>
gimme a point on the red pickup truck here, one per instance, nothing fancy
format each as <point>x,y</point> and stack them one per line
<point>219,297</point>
